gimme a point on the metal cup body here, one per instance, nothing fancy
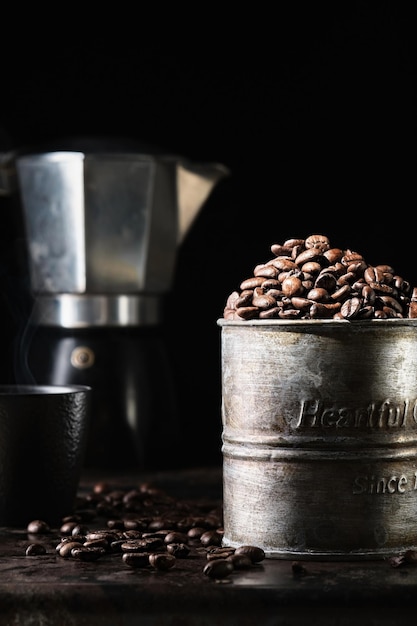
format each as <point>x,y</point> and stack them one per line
<point>320,437</point>
<point>43,435</point>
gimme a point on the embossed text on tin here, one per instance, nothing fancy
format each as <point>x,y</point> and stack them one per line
<point>364,484</point>
<point>375,415</point>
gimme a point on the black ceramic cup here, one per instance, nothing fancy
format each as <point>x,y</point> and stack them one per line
<point>43,436</point>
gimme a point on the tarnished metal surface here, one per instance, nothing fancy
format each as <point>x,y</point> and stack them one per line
<point>320,437</point>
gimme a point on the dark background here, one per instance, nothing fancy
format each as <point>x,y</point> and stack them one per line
<point>310,105</point>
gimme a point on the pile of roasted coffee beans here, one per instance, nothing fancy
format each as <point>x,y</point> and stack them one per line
<point>310,279</point>
<point>145,527</point>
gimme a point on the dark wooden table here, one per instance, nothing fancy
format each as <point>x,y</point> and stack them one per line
<point>47,589</point>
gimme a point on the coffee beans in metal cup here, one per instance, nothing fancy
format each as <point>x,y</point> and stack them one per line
<point>311,279</point>
<point>319,406</point>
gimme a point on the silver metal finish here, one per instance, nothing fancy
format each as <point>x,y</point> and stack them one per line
<point>320,437</point>
<point>105,224</point>
<point>83,311</point>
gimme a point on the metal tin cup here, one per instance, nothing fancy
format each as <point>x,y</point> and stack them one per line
<point>320,437</point>
<point>43,434</point>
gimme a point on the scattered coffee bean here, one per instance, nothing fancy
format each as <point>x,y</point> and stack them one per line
<point>160,531</point>
<point>135,559</point>
<point>240,561</point>
<point>38,526</point>
<point>83,553</point>
<point>219,568</point>
<point>79,531</point>
<point>254,553</point>
<point>211,538</point>
<point>35,549</point>
<point>66,548</point>
<point>179,550</point>
<point>176,537</point>
<point>162,561</point>
<point>67,527</point>
<point>219,553</point>
<point>196,532</point>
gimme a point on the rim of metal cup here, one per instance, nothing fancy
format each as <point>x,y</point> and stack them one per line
<point>37,390</point>
<point>397,321</point>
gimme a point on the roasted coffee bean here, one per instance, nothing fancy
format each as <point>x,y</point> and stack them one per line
<point>67,528</point>
<point>318,294</point>
<point>345,279</point>
<point>266,271</point>
<point>273,287</point>
<point>35,549</point>
<point>251,283</point>
<point>263,301</point>
<point>66,549</point>
<point>79,531</point>
<point>87,554</point>
<point>365,312</point>
<point>284,264</point>
<point>38,527</point>
<point>142,545</point>
<point>245,299</point>
<point>320,310</point>
<point>392,302</point>
<point>176,537</point>
<point>301,303</point>
<point>368,295</point>
<point>310,268</point>
<point>211,538</point>
<point>116,545</point>
<point>340,293</point>
<point>136,559</point>
<point>135,524</point>
<point>293,243</point>
<point>132,534</point>
<point>310,254</point>
<point>162,561</point>
<point>292,286</point>
<point>270,313</point>
<point>218,568</point>
<point>63,541</point>
<point>196,532</point>
<point>179,550</point>
<point>102,487</point>
<point>161,534</point>
<point>333,255</point>
<point>317,241</point>
<point>240,561</point>
<point>108,535</point>
<point>117,524</point>
<point>254,553</point>
<point>219,553</point>
<point>350,257</point>
<point>326,281</point>
<point>281,250</point>
<point>247,312</point>
<point>350,308</point>
<point>289,314</point>
<point>97,543</point>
